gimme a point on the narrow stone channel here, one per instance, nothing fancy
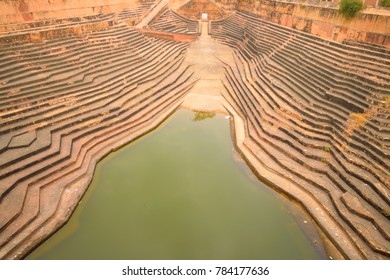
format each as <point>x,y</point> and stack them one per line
<point>181,192</point>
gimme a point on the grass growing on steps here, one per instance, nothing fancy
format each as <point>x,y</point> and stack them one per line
<point>350,8</point>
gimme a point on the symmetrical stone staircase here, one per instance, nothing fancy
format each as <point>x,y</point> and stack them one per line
<point>64,104</point>
<point>316,114</point>
<point>169,21</point>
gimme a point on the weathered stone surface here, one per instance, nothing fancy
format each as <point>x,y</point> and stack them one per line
<point>195,8</point>
<point>22,140</point>
<point>311,116</point>
<point>325,22</point>
<point>206,57</point>
<point>67,103</point>
<point>301,136</point>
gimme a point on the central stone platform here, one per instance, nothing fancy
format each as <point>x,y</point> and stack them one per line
<point>206,57</point>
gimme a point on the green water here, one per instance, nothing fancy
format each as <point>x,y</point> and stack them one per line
<point>180,192</point>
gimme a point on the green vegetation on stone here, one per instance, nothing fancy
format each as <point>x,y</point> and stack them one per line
<point>200,116</point>
<point>350,8</point>
<point>385,3</point>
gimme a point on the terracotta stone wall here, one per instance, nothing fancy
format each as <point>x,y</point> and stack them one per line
<point>371,3</point>
<point>12,11</point>
<point>228,5</point>
<point>195,8</point>
<point>322,21</point>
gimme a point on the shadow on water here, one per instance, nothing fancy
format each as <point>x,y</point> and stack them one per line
<point>181,192</point>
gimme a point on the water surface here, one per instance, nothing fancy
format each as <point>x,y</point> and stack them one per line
<point>180,192</point>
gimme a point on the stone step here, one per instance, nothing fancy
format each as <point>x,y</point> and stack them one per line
<point>54,165</point>
<point>88,63</point>
<point>299,140</point>
<point>321,106</point>
<point>349,52</point>
<point>292,167</point>
<point>240,83</point>
<point>170,21</point>
<point>107,103</point>
<point>41,91</point>
<point>41,221</point>
<point>122,61</point>
<point>319,156</point>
